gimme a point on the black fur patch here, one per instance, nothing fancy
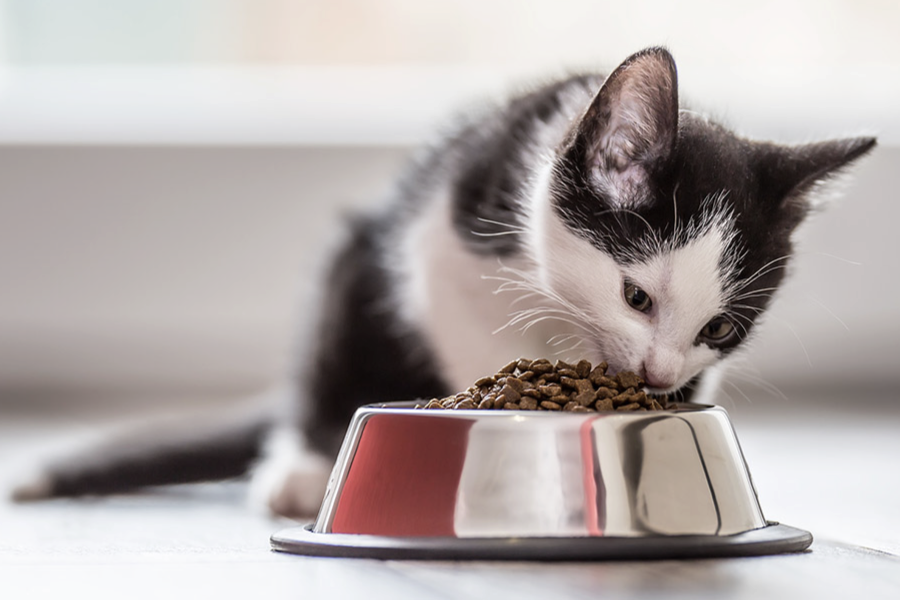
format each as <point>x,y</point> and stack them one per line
<point>494,167</point>
<point>361,352</point>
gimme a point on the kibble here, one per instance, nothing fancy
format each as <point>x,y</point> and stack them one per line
<point>527,403</point>
<point>526,384</point>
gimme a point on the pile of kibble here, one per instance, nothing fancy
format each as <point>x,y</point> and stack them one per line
<point>541,385</point>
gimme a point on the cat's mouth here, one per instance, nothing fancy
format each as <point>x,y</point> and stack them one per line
<point>661,391</point>
<point>675,393</point>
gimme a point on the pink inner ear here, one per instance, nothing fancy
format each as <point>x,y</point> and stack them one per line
<point>641,122</point>
<point>625,188</point>
<point>634,130</point>
<point>617,164</point>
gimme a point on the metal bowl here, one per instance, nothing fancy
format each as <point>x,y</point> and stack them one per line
<point>535,484</point>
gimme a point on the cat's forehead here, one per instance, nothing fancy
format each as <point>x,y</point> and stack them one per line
<point>706,234</point>
<point>708,159</point>
<point>693,278</point>
<point>709,183</point>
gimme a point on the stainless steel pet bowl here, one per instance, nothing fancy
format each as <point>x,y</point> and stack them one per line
<point>497,484</point>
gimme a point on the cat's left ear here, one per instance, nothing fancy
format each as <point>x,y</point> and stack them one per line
<point>788,174</point>
<point>629,131</point>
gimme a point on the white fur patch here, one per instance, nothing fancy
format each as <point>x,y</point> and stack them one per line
<point>291,479</point>
<point>448,293</point>
<point>687,293</point>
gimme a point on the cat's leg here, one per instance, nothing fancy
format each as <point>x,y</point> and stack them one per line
<point>291,477</point>
<point>357,352</point>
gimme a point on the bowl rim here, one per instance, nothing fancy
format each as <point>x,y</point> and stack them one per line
<point>409,407</point>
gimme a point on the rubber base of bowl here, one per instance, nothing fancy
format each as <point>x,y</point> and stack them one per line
<point>772,539</point>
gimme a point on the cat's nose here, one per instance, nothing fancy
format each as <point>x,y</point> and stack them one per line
<point>656,380</point>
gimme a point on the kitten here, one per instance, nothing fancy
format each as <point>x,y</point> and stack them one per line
<point>591,218</point>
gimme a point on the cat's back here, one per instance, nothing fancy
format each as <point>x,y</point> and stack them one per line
<point>488,155</point>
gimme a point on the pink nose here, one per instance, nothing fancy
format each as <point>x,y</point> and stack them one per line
<point>655,380</point>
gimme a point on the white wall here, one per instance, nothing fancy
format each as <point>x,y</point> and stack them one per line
<point>164,267</point>
<point>180,267</point>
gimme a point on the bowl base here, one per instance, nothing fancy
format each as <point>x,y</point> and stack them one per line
<point>772,539</point>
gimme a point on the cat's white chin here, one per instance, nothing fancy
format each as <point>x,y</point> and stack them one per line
<point>661,391</point>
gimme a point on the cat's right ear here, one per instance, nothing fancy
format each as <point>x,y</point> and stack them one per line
<point>629,131</point>
<point>787,174</point>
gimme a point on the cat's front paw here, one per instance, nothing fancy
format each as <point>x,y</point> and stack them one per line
<point>291,480</point>
<point>299,494</point>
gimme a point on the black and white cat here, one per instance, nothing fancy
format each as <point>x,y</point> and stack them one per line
<point>591,218</point>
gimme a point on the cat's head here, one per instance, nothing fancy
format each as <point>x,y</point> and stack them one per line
<point>668,234</point>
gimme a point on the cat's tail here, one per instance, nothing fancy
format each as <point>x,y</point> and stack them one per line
<point>166,452</point>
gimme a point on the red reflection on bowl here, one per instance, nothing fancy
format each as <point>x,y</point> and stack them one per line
<point>404,477</point>
<point>594,490</point>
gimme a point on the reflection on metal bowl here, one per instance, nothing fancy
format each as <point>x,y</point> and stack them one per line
<point>458,478</point>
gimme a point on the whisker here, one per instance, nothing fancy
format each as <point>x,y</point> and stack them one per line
<point>755,293</point>
<point>839,258</point>
<point>802,345</point>
<point>733,316</point>
<point>747,373</point>
<point>763,271</point>
<point>737,314</point>
<point>523,283</point>
<point>755,309</point>
<point>511,226</point>
<point>828,310</point>
<point>744,328</point>
<point>561,338</point>
<point>533,316</point>
<point>541,319</point>
<point>494,234</point>
<point>675,230</point>
<point>511,279</point>
<point>523,297</point>
<point>570,349</point>
<point>727,396</point>
<point>738,390</point>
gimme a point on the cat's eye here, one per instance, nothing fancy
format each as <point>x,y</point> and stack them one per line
<point>717,329</point>
<point>637,298</point>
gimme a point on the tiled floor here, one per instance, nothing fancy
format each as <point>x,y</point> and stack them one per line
<point>832,471</point>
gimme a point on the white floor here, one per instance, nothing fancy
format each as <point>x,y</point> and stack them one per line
<point>830,470</point>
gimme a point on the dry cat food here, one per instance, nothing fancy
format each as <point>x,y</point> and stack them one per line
<point>541,385</point>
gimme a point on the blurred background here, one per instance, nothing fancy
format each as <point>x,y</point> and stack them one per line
<point>171,172</point>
